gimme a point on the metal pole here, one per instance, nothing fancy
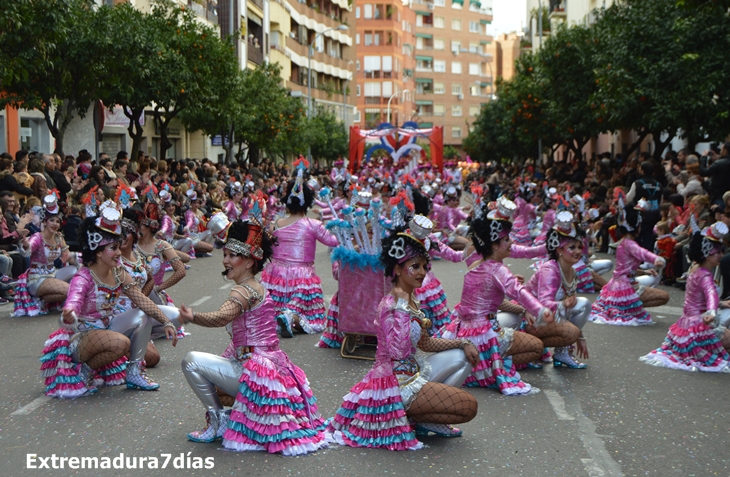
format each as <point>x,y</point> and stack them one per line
<point>389,99</point>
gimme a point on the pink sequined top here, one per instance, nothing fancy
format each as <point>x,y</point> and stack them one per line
<point>167,228</point>
<point>485,288</point>
<point>192,222</point>
<point>700,296</point>
<point>548,220</point>
<point>629,255</point>
<point>546,285</point>
<point>398,336</point>
<point>297,242</point>
<point>441,250</point>
<point>524,215</point>
<point>256,326</point>
<point>94,302</point>
<point>450,217</point>
<point>232,210</point>
<point>515,251</point>
<point>42,254</point>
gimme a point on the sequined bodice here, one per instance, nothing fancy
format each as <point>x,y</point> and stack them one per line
<point>257,325</point>
<point>297,242</point>
<point>43,255</point>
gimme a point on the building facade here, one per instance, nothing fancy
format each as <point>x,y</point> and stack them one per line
<point>454,73</point>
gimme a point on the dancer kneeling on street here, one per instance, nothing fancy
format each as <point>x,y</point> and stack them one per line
<point>97,330</point>
<point>406,394</point>
<point>274,409</point>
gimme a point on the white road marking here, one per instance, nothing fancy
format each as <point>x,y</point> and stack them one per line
<point>226,286</point>
<point>601,463</point>
<point>200,302</point>
<point>665,310</point>
<point>558,404</point>
<point>32,406</point>
<point>593,469</point>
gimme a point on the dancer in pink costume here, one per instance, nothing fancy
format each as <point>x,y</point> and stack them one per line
<point>485,286</point>
<point>232,207</point>
<point>550,201</point>
<point>405,394</point>
<point>98,332</point>
<point>43,283</point>
<point>195,225</point>
<point>168,227</point>
<point>698,341</point>
<point>622,300</point>
<point>274,408</point>
<point>290,277</point>
<point>525,215</point>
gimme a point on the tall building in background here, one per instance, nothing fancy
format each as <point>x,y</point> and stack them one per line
<point>571,12</point>
<point>454,73</point>
<point>385,62</point>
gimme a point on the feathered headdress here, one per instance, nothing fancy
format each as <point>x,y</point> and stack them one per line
<point>124,196</point>
<point>402,206</point>
<point>297,191</point>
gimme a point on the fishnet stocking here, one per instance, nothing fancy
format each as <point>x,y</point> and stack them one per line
<point>653,297</point>
<point>525,348</point>
<point>556,334</point>
<point>53,290</point>
<point>229,310</point>
<point>131,289</point>
<point>598,281</point>
<point>434,345</point>
<point>99,348</point>
<point>151,356</point>
<point>226,399</point>
<point>442,404</point>
<point>509,307</point>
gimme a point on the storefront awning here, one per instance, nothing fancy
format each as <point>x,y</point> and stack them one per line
<point>424,80</point>
<point>424,58</point>
<point>485,22</point>
<point>425,14</point>
<point>460,2</point>
<point>423,35</point>
<point>424,102</point>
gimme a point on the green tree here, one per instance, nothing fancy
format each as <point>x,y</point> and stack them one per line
<point>450,152</point>
<point>326,135</point>
<point>50,59</point>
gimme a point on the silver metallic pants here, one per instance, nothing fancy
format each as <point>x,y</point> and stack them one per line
<point>136,326</point>
<point>602,266</point>
<point>158,329</point>
<point>578,315</point>
<point>183,244</point>
<point>449,367</point>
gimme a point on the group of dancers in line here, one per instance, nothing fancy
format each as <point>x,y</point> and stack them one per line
<point>426,354</point>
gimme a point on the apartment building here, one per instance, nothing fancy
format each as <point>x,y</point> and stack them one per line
<point>571,12</point>
<point>385,62</point>
<point>454,73</point>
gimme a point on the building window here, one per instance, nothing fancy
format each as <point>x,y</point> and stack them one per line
<point>473,47</point>
<point>439,3</point>
<point>439,44</point>
<point>474,69</point>
<point>356,119</point>
<point>455,46</point>
<point>456,131</point>
<point>368,11</point>
<point>439,110</point>
<point>456,110</point>
<point>456,67</point>
<point>456,88</point>
<point>456,24</point>
<point>357,88</point>
<point>357,65</point>
<point>357,12</point>
<point>456,6</point>
<point>473,110</point>
<point>357,38</point>
<point>439,66</point>
<point>474,90</point>
<point>474,27</point>
<point>438,88</point>
<point>419,20</point>
<point>438,22</point>
<point>368,39</point>
<point>372,90</point>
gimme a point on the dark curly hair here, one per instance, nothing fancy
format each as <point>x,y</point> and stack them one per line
<point>695,248</point>
<point>479,234</point>
<point>421,202</point>
<point>239,231</point>
<point>89,226</point>
<point>633,218</point>
<point>552,234</point>
<point>390,262</point>
<point>293,204</point>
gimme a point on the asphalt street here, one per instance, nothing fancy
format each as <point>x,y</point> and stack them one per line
<point>618,417</point>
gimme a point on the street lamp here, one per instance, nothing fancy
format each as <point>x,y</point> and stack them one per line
<point>393,96</point>
<point>309,65</point>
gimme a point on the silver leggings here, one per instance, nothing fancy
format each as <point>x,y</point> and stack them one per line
<point>723,315</point>
<point>137,326</point>
<point>158,329</point>
<point>183,244</point>
<point>648,281</point>
<point>205,371</point>
<point>602,266</point>
<point>578,315</point>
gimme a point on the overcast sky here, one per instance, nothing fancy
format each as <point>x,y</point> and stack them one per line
<point>509,16</point>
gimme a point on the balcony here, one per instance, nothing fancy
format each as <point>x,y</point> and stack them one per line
<point>258,3</point>
<point>301,50</point>
<point>205,9</point>
<point>315,14</point>
<point>557,10</point>
<point>254,53</point>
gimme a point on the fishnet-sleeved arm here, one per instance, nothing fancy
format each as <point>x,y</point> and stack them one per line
<point>178,268</point>
<point>510,307</point>
<point>132,290</point>
<point>229,310</point>
<point>149,284</point>
<point>434,345</point>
